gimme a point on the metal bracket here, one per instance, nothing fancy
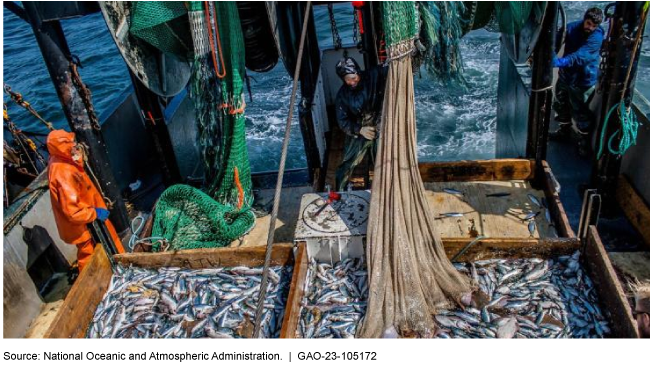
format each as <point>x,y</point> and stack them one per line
<point>590,213</point>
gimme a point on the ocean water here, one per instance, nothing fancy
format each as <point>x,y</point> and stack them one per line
<point>453,124</point>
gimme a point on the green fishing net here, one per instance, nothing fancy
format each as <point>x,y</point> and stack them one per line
<point>162,24</point>
<point>188,217</point>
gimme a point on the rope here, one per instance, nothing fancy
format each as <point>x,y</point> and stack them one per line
<point>135,235</point>
<point>85,93</point>
<point>109,203</point>
<point>278,185</point>
<point>208,19</point>
<point>628,131</point>
<point>18,99</point>
<point>629,124</point>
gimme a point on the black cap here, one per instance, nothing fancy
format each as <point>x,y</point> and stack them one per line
<point>347,66</point>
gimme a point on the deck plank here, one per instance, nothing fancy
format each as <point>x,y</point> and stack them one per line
<point>77,311</point>
<point>296,293</point>
<point>610,290</point>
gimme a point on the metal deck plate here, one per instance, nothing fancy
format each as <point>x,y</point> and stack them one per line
<point>346,217</point>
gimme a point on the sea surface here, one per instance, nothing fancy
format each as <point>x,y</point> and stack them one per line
<point>452,124</point>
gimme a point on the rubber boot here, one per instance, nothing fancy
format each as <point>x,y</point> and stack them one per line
<point>562,134</point>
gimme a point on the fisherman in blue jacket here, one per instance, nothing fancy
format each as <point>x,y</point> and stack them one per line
<point>577,76</point>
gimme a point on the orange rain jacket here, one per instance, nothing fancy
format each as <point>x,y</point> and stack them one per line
<point>74,196</point>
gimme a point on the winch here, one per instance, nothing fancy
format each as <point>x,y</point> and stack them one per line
<point>333,224</point>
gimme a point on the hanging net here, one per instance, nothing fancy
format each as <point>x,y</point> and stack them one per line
<point>441,31</point>
<point>162,24</point>
<point>185,216</point>
<point>410,275</point>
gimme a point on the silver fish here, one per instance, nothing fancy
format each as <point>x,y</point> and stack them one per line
<point>532,227</point>
<point>453,191</point>
<point>534,199</point>
<point>179,303</point>
<point>335,299</point>
<point>541,299</point>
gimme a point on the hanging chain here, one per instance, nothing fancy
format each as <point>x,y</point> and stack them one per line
<point>355,27</point>
<point>18,99</point>
<point>336,38</point>
<point>84,92</point>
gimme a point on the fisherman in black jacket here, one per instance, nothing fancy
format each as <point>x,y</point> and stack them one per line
<point>358,110</point>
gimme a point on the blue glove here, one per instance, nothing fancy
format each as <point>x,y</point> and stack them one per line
<point>102,214</point>
<point>560,62</point>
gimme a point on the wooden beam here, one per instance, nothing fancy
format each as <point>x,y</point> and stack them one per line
<point>478,170</point>
<point>510,248</point>
<point>282,254</point>
<point>558,214</point>
<point>296,293</point>
<point>609,288</point>
<point>79,306</point>
<point>634,206</point>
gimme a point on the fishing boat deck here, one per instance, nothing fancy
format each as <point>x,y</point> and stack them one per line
<point>288,213</point>
<point>494,217</point>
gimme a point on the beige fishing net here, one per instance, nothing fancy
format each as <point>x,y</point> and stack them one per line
<point>410,275</point>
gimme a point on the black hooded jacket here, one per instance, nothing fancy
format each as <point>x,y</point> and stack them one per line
<point>361,106</point>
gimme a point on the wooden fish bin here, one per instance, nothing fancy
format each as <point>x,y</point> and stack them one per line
<point>76,313</point>
<point>506,236</point>
<point>594,261</point>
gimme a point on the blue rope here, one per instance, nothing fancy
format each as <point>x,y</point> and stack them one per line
<point>628,130</point>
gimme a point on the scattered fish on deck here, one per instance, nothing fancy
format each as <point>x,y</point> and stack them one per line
<point>335,299</point>
<point>450,215</point>
<point>183,303</point>
<point>534,199</point>
<point>453,191</point>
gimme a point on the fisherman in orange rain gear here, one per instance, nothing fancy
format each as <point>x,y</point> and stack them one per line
<point>75,199</point>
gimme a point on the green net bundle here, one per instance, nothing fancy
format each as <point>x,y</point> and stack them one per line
<point>187,217</point>
<point>162,24</point>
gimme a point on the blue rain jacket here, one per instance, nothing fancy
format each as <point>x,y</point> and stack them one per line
<point>579,66</point>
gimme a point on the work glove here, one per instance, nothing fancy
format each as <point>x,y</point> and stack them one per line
<point>560,62</point>
<point>368,133</point>
<point>102,214</point>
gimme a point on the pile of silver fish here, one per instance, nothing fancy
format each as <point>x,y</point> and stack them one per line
<point>335,299</point>
<point>527,298</point>
<point>184,303</point>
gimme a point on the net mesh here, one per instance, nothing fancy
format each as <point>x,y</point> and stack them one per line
<point>188,218</point>
<point>162,24</point>
<point>441,31</point>
<point>410,275</point>
<point>185,216</point>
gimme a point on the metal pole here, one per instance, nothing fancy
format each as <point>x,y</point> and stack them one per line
<point>278,185</point>
<point>624,26</point>
<point>541,96</point>
<point>56,54</point>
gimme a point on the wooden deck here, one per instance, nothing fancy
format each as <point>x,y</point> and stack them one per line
<point>490,216</point>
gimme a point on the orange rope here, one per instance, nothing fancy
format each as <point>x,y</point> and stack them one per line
<point>232,110</point>
<point>211,37</point>
<point>240,203</point>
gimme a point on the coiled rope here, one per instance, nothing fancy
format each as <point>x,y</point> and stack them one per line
<point>629,125</point>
